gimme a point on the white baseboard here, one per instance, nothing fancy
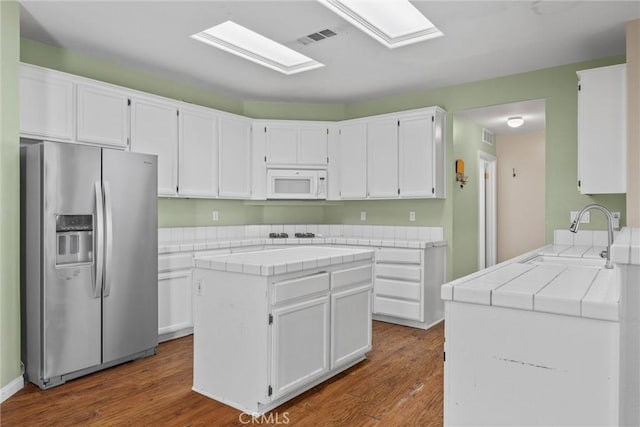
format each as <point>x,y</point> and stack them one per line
<point>11,388</point>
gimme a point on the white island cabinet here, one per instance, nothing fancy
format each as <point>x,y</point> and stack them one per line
<point>269,325</point>
<point>534,341</point>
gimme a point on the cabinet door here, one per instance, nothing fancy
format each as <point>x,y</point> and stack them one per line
<point>602,136</point>
<point>350,324</point>
<point>235,158</point>
<point>174,301</point>
<point>198,153</point>
<point>47,106</point>
<point>417,161</point>
<point>154,130</point>
<point>282,145</point>
<point>353,161</point>
<point>300,344</point>
<point>103,116</point>
<point>382,150</point>
<point>312,145</point>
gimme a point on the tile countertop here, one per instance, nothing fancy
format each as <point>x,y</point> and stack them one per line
<point>221,244</point>
<point>568,286</point>
<point>278,261</point>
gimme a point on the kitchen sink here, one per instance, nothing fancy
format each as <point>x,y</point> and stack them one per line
<point>568,261</point>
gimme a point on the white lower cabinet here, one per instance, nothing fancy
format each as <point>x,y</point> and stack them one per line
<point>407,285</point>
<point>351,309</point>
<point>175,292</point>
<point>300,344</point>
<point>281,334</point>
<point>175,316</point>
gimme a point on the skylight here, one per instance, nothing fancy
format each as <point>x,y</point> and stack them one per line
<point>393,23</point>
<point>247,44</point>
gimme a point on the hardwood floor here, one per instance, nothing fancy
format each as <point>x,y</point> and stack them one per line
<point>400,384</point>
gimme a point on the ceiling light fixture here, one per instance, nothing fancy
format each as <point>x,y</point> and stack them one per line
<point>393,23</point>
<point>247,44</point>
<point>515,121</point>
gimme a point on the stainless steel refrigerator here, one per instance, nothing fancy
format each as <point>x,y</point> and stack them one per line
<point>89,259</point>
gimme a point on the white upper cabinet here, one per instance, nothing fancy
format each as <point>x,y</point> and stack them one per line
<point>198,152</point>
<point>235,157</point>
<point>103,116</point>
<point>382,150</point>
<point>47,104</point>
<point>282,145</point>
<point>296,143</point>
<point>154,130</point>
<point>422,160</point>
<point>312,145</point>
<point>394,155</point>
<point>352,149</point>
<point>602,130</point>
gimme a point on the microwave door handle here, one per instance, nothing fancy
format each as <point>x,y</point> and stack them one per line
<point>99,242</point>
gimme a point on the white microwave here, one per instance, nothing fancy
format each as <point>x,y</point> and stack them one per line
<point>296,184</point>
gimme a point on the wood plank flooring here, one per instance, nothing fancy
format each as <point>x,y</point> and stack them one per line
<point>400,384</point>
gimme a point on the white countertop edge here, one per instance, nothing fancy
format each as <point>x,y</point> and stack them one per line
<point>222,263</point>
<point>599,302</point>
<point>626,248</point>
<point>166,248</point>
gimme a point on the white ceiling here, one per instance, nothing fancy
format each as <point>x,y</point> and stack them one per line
<point>495,117</point>
<point>482,39</point>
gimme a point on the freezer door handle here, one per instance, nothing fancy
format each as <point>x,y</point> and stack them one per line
<point>108,226</point>
<point>99,235</point>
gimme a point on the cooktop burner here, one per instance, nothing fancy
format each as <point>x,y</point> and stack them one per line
<point>305,235</point>
<point>278,235</point>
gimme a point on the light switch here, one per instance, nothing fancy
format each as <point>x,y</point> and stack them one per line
<point>363,215</point>
<point>412,216</point>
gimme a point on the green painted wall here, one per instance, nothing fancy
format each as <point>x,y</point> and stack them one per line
<point>9,194</point>
<point>558,87</point>
<point>467,142</point>
<point>293,111</point>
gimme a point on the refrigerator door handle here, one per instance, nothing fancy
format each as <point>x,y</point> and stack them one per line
<point>109,239</point>
<point>99,248</point>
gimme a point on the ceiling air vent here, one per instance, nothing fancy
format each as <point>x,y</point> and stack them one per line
<point>316,37</point>
<point>488,137</point>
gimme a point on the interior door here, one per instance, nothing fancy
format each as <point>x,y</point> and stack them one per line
<point>71,308</point>
<point>130,296</point>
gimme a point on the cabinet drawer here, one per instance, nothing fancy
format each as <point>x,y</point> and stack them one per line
<point>398,289</point>
<point>351,276</point>
<point>397,308</point>
<point>403,256</point>
<point>178,261</point>
<point>395,271</point>
<point>294,288</point>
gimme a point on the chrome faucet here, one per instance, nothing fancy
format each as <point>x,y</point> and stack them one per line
<point>576,224</point>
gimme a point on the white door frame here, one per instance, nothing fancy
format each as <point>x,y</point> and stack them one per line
<point>487,211</point>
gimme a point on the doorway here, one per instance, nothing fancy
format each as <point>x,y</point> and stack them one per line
<point>487,210</point>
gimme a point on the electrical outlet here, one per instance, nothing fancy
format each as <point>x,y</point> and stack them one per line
<point>586,217</point>
<point>412,216</point>
<point>199,288</point>
<point>215,215</point>
<point>363,215</point>
<point>616,219</point>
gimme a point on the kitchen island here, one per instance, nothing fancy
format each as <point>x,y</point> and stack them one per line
<point>269,325</point>
<point>534,341</point>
